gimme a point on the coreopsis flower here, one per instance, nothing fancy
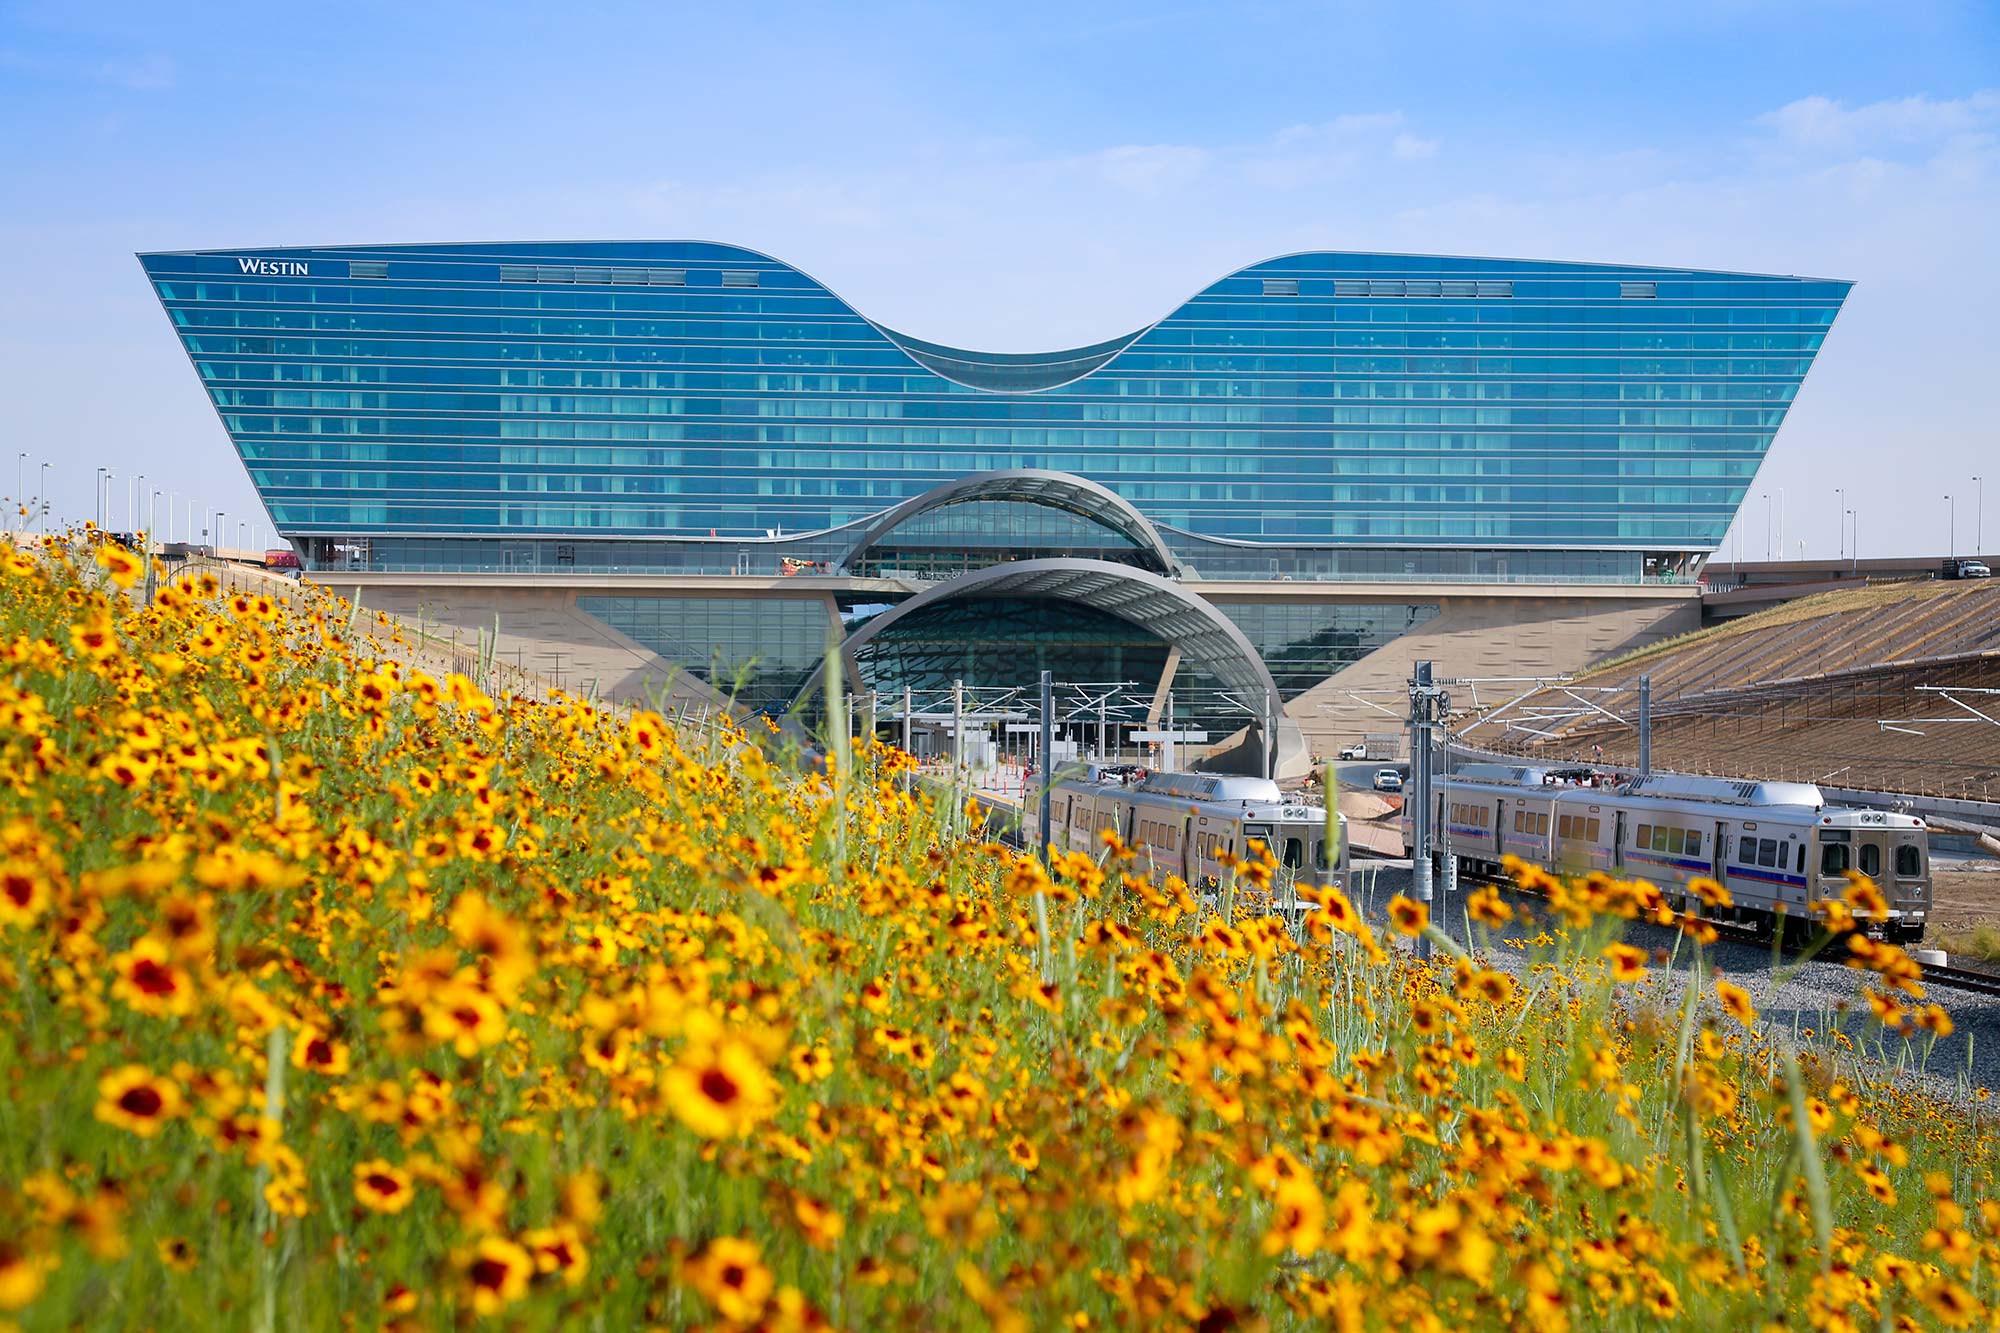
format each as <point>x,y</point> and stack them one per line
<point>496,1273</point>
<point>94,640</point>
<point>24,893</point>
<point>1710,892</point>
<point>1408,916</point>
<point>1863,898</point>
<point>1736,1002</point>
<point>1487,908</point>
<point>318,1052</point>
<point>719,1090</point>
<point>810,1064</point>
<point>466,1016</point>
<point>1627,963</point>
<point>558,1250</point>
<point>1298,1217</point>
<point>150,981</point>
<point>382,1187</point>
<point>124,567</point>
<point>133,1097</point>
<point>23,1274</point>
<point>730,1275</point>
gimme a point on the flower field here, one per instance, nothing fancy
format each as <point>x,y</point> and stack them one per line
<point>336,995</point>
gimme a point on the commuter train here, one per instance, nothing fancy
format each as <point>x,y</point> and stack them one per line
<point>1773,845</point>
<point>1182,823</point>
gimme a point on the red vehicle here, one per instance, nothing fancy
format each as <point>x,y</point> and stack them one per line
<point>285,561</point>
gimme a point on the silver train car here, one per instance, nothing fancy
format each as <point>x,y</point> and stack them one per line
<point>1182,823</point>
<point>1776,846</point>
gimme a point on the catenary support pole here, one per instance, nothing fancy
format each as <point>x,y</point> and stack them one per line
<point>957,745</point>
<point>1048,750</point>
<point>1418,799</point>
<point>1645,726</point>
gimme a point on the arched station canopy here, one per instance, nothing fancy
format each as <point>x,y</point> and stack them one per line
<point>1208,641</point>
<point>1037,486</point>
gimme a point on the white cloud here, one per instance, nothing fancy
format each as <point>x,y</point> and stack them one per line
<point>1300,155</point>
<point>1823,124</point>
<point>1150,169</point>
<point>1409,147</point>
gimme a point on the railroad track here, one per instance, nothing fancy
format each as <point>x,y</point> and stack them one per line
<point>1985,983</point>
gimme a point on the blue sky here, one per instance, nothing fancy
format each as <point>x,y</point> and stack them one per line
<point>1027,176</point>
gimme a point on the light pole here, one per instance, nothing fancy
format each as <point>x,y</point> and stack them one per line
<point>153,520</point>
<point>1979,516</point>
<point>1951,526</point>
<point>1767,526</point>
<point>99,499</point>
<point>1839,512</point>
<point>221,530</point>
<point>1854,560</point>
<point>21,478</point>
<point>42,509</point>
<point>173,507</point>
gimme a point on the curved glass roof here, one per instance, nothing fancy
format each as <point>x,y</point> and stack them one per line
<point>1018,372</point>
<point>1039,486</point>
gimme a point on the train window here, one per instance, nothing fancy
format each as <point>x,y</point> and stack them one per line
<point>1767,852</point>
<point>1909,861</point>
<point>1694,842</point>
<point>1517,821</point>
<point>1295,853</point>
<point>1833,859</point>
<point>1801,868</point>
<point>1323,853</point>
<point>1676,841</point>
<point>1596,829</point>
<point>1645,838</point>
<point>1871,860</point>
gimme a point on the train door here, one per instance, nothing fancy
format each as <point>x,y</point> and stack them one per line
<point>1618,840</point>
<point>1184,854</point>
<point>1912,880</point>
<point>1871,854</point>
<point>1718,850</point>
<point>1499,829</point>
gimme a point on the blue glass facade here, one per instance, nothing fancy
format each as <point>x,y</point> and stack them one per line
<point>677,405</point>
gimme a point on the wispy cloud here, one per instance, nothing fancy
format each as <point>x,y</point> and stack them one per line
<point>1825,125</point>
<point>1151,168</point>
<point>1305,154</point>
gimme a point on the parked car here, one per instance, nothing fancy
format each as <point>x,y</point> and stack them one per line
<point>1388,779</point>
<point>1358,750</point>
<point>1960,568</point>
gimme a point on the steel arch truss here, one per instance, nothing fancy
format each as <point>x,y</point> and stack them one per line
<point>1038,486</point>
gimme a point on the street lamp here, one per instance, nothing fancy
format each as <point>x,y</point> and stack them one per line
<point>1767,525</point>
<point>42,495</point>
<point>1979,517</point>
<point>1855,559</point>
<point>1840,513</point>
<point>153,520</point>
<point>1951,526</point>
<point>98,500</point>
<point>221,530</point>
<point>21,477</point>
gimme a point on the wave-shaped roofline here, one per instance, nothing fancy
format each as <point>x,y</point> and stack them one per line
<point>935,356</point>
